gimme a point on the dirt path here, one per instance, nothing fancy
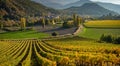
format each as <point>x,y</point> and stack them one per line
<point>79,29</point>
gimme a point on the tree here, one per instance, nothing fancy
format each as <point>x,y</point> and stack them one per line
<point>23,23</point>
<point>106,38</point>
<point>1,22</point>
<point>102,38</point>
<point>117,40</point>
<point>48,22</point>
<point>78,21</point>
<point>43,22</point>
<point>68,24</point>
<point>53,21</point>
<point>75,19</point>
<point>54,34</point>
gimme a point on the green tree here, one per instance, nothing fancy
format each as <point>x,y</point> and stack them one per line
<point>106,38</point>
<point>78,21</point>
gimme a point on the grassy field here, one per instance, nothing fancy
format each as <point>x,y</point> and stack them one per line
<point>22,34</point>
<point>103,24</point>
<point>94,29</point>
<point>95,33</point>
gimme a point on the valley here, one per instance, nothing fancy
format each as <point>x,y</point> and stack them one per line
<point>46,33</point>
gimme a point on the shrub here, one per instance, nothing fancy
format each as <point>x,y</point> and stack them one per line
<point>117,40</point>
<point>68,24</point>
<point>106,38</point>
<point>110,39</point>
<point>54,34</point>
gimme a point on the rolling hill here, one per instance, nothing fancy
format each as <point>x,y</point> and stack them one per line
<point>89,9</point>
<point>13,9</point>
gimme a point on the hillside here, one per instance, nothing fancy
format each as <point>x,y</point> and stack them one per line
<point>49,3</point>
<point>110,6</point>
<point>89,9</point>
<point>14,9</point>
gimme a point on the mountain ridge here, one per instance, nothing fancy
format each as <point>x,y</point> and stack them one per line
<point>86,9</point>
<point>110,6</point>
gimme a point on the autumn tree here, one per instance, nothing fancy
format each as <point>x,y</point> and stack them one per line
<point>23,23</point>
<point>53,21</point>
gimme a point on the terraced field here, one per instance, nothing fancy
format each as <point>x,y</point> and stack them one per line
<point>69,52</point>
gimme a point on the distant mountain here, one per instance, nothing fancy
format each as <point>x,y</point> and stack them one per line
<point>110,6</point>
<point>89,9</point>
<point>13,9</point>
<point>78,3</point>
<point>49,3</point>
<point>52,4</point>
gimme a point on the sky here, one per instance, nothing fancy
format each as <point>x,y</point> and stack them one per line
<point>109,1</point>
<point>70,1</point>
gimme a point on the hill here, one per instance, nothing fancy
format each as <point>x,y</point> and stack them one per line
<point>13,9</point>
<point>89,9</point>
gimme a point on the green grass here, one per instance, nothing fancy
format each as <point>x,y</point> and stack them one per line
<point>22,35</point>
<point>95,33</point>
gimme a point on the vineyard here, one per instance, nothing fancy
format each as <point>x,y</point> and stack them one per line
<point>103,24</point>
<point>69,52</point>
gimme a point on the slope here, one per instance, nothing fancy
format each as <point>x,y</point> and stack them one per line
<point>14,9</point>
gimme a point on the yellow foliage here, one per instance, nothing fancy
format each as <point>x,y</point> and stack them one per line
<point>23,23</point>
